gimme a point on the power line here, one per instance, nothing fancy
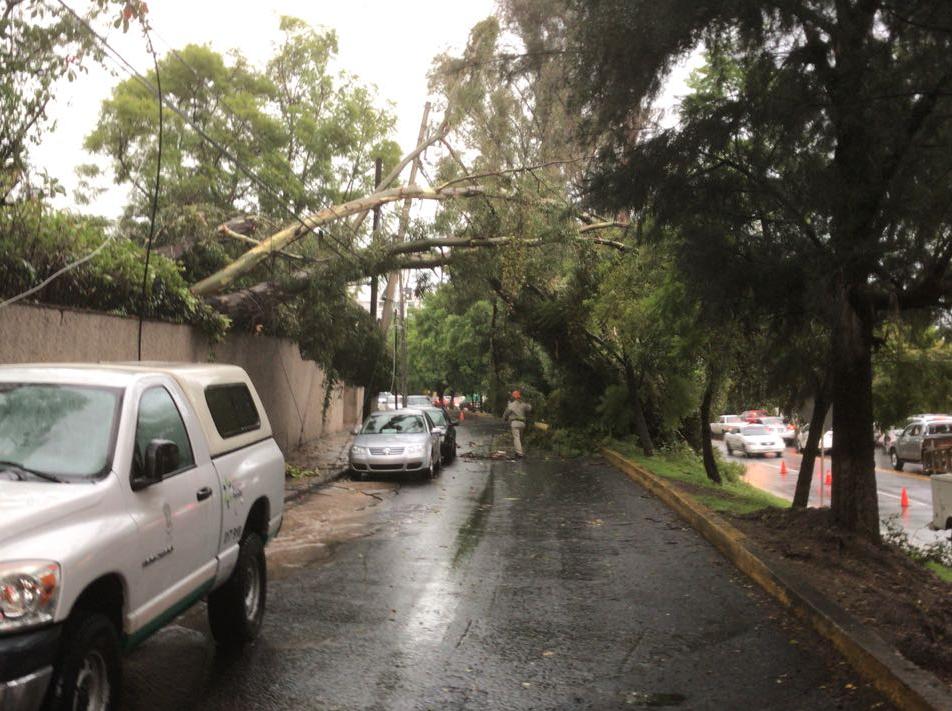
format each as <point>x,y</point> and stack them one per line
<point>215,144</point>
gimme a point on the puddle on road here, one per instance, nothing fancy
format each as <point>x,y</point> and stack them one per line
<point>654,700</point>
<point>473,528</point>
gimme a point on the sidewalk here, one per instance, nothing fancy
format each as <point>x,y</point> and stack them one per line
<point>324,459</point>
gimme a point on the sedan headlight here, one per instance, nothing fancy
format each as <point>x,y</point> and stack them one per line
<point>29,590</point>
<point>358,450</point>
<point>415,449</point>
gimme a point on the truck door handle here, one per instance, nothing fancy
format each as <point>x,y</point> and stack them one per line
<point>203,493</point>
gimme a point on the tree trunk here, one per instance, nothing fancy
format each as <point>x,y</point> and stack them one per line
<point>494,363</point>
<point>641,425</point>
<point>854,501</point>
<point>821,405</point>
<point>707,449</point>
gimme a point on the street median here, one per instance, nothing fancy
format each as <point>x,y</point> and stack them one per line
<point>905,684</point>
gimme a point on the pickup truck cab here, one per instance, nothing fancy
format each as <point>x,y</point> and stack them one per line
<point>920,438</point>
<point>127,494</point>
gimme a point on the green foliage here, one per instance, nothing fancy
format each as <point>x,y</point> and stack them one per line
<point>912,372</point>
<point>565,443</point>
<point>41,47</point>
<point>338,334</point>
<point>614,411</point>
<point>292,471</point>
<point>310,137</point>
<point>36,241</point>
<point>446,349</point>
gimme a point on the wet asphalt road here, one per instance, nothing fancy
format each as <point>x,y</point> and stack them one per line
<point>507,585</point>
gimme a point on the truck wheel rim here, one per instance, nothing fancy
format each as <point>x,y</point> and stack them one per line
<point>92,684</point>
<point>252,591</point>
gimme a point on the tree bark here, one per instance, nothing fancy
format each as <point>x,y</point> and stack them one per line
<point>855,504</point>
<point>821,405</point>
<point>221,279</point>
<point>707,449</point>
<point>641,425</point>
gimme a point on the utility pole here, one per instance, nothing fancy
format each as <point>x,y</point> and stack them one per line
<point>393,278</point>
<point>378,171</point>
<point>403,345</point>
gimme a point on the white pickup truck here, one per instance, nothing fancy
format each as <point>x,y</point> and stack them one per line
<point>127,494</point>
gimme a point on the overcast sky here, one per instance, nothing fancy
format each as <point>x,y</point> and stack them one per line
<point>385,43</point>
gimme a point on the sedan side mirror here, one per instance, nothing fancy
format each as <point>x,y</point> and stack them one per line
<point>355,430</point>
<point>161,458</point>
<point>439,429</point>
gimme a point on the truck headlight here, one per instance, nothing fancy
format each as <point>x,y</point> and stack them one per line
<point>359,451</point>
<point>29,590</point>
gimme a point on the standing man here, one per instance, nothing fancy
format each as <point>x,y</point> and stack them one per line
<point>516,414</point>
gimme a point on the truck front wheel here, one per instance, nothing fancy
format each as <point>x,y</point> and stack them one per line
<point>89,672</point>
<point>235,610</point>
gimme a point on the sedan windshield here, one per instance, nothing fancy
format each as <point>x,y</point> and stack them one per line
<point>436,414</point>
<point>754,431</point>
<point>56,430</point>
<point>383,423</point>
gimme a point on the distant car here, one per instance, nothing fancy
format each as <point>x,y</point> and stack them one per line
<point>442,419</point>
<point>397,442</point>
<point>801,441</point>
<point>725,424</point>
<point>776,425</point>
<point>418,401</point>
<point>754,439</point>
<point>751,415</point>
<point>916,439</point>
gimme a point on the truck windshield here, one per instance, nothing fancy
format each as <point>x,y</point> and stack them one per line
<point>56,431</point>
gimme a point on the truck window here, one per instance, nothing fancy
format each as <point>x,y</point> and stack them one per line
<point>232,408</point>
<point>159,418</point>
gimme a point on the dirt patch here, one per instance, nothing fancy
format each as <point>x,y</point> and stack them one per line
<point>902,601</point>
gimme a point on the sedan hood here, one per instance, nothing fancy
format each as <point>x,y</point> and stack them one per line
<point>25,505</point>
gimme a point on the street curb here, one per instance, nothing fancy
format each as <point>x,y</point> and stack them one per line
<point>905,684</point>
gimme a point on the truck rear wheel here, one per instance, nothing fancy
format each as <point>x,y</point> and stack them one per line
<point>235,610</point>
<point>89,673</point>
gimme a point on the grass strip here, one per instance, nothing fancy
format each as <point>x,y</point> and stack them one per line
<point>734,496</point>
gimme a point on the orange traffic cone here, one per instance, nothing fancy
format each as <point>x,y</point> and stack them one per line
<point>783,468</point>
<point>904,500</point>
<point>829,477</point>
<point>462,415</point>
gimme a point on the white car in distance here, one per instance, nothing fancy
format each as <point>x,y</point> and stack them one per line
<point>801,442</point>
<point>725,424</point>
<point>754,439</point>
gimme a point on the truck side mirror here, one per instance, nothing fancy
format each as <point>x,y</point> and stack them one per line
<point>161,457</point>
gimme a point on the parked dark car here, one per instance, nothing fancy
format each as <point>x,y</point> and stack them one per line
<point>442,419</point>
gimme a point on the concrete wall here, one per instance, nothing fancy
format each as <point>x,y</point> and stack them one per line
<point>291,388</point>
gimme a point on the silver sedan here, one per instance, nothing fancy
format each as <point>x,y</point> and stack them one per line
<point>397,442</point>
